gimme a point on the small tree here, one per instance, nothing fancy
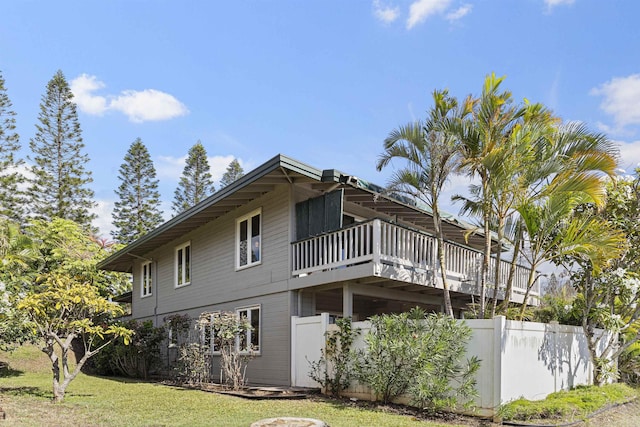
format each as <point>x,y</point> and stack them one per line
<point>60,184</point>
<point>226,327</point>
<point>335,368</point>
<point>138,209</point>
<point>64,310</point>
<point>195,183</point>
<point>234,171</point>
<point>11,199</point>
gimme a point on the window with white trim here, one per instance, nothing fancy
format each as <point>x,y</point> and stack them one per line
<point>146,280</point>
<point>209,338</point>
<point>183,264</point>
<point>249,239</point>
<point>249,341</point>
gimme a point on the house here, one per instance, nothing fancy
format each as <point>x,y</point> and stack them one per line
<point>288,239</point>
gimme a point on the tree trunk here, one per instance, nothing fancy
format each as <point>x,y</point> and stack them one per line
<point>437,223</point>
<point>530,283</point>
<point>512,270</point>
<point>496,277</point>
<point>485,266</point>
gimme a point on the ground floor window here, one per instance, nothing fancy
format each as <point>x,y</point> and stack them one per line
<point>249,341</point>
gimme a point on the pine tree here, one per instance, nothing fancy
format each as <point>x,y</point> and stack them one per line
<point>138,210</point>
<point>59,188</point>
<point>234,171</point>
<point>195,184</point>
<point>11,200</point>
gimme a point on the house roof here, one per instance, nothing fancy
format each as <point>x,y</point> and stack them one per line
<point>278,170</point>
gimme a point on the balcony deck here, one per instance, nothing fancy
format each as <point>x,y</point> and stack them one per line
<point>401,254</point>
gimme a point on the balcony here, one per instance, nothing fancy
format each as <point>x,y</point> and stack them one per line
<point>403,254</point>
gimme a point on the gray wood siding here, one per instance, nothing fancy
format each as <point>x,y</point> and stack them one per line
<point>271,367</point>
<point>214,278</point>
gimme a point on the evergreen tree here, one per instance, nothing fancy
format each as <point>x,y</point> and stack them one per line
<point>138,210</point>
<point>59,188</point>
<point>195,183</point>
<point>233,172</point>
<point>11,201</point>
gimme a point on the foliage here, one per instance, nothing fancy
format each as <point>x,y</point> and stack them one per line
<point>225,328</point>
<point>59,188</point>
<point>234,172</point>
<point>63,310</point>
<point>194,363</point>
<point>137,359</point>
<point>334,370</point>
<point>65,247</point>
<point>572,404</point>
<point>195,183</point>
<point>137,210</point>
<point>558,306</point>
<point>105,402</point>
<point>11,198</point>
<point>419,354</point>
<point>177,326</point>
<point>430,155</point>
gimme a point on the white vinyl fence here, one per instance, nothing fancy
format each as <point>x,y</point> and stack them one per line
<point>518,359</point>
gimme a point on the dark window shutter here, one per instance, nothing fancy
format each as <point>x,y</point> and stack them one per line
<point>319,215</point>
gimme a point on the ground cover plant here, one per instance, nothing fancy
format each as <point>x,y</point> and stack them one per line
<point>25,395</point>
<point>574,404</point>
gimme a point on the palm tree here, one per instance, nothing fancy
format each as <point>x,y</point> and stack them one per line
<point>483,138</point>
<point>430,156</point>
<point>574,161</point>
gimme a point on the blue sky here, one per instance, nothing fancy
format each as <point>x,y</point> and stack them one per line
<point>321,81</point>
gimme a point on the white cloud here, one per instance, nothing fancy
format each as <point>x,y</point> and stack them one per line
<point>138,106</point>
<point>459,13</point>
<point>621,99</point>
<point>629,155</point>
<point>82,88</point>
<point>553,3</point>
<point>420,10</point>
<point>103,210</point>
<point>148,105</point>
<point>384,13</point>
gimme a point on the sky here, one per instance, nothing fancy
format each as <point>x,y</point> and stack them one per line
<point>323,82</point>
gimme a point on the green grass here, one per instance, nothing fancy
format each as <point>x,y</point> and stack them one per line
<point>568,405</point>
<point>25,395</point>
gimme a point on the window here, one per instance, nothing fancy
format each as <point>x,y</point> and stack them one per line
<point>250,340</point>
<point>249,242</point>
<point>209,337</point>
<point>183,264</point>
<point>145,279</point>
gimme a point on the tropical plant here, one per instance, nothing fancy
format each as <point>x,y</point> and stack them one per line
<point>419,354</point>
<point>64,309</point>
<point>430,155</point>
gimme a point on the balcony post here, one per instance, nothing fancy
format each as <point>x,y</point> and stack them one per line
<point>347,300</point>
<point>376,243</point>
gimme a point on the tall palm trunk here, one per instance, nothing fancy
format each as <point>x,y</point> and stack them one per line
<point>517,241</point>
<point>437,224</point>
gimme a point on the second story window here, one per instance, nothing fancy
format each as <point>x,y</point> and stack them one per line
<point>145,279</point>
<point>183,264</point>
<point>249,239</point>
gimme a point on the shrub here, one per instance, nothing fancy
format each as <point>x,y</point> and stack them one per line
<point>137,359</point>
<point>420,355</point>
<point>334,370</point>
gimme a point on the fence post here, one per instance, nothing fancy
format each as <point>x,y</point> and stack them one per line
<point>499,325</point>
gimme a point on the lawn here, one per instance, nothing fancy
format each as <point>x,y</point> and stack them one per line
<point>25,396</point>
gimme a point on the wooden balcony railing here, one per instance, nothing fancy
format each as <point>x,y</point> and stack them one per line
<point>379,241</point>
